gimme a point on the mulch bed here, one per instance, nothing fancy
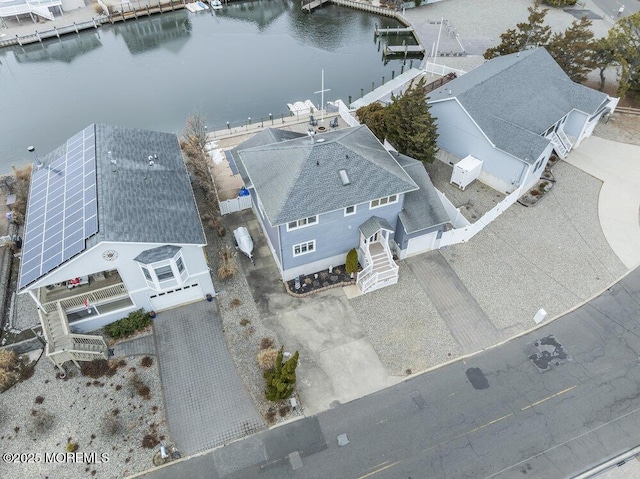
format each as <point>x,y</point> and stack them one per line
<point>320,281</point>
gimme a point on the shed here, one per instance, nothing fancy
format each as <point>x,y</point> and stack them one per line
<point>465,171</point>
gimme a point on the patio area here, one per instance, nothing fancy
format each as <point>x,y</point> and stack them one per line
<point>474,201</point>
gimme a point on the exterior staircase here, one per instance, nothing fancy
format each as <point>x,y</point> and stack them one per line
<point>380,270</point>
<point>561,143</point>
<point>63,346</point>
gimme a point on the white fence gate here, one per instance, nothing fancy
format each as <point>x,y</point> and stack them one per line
<point>464,234</point>
<point>236,204</point>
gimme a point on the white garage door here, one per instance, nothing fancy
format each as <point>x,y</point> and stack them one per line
<point>421,243</point>
<point>176,297</point>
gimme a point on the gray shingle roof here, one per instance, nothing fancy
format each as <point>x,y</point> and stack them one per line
<point>374,224</point>
<point>268,136</point>
<point>157,254</point>
<point>296,179</point>
<point>422,208</point>
<point>138,202</point>
<point>516,97</point>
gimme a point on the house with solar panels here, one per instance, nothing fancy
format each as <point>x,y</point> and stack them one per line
<point>511,113</point>
<point>318,197</point>
<point>111,226</point>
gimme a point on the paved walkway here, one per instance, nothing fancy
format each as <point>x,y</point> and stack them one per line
<point>205,402</point>
<point>618,166</point>
<point>135,347</point>
<point>468,324</point>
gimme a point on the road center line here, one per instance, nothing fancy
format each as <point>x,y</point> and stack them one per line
<point>379,470</point>
<point>550,397</point>
<point>469,432</point>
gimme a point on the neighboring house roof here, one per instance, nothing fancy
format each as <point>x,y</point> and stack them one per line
<point>268,136</point>
<point>125,199</point>
<point>300,178</point>
<point>373,225</point>
<point>157,254</point>
<point>515,98</point>
<point>422,208</point>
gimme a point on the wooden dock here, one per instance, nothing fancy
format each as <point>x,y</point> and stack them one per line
<point>403,50</point>
<point>389,31</point>
<point>308,7</point>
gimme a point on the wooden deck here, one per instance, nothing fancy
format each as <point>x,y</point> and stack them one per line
<point>397,31</point>
<point>406,50</point>
<point>59,293</point>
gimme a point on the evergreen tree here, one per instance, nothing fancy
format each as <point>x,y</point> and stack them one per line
<point>604,56</point>
<point>624,39</point>
<point>372,115</point>
<point>574,50</point>
<point>351,264</point>
<point>282,378</point>
<point>531,33</point>
<point>410,128</point>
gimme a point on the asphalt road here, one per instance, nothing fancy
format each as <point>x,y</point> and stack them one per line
<point>495,415</point>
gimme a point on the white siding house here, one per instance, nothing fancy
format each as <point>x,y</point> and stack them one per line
<point>112,226</point>
<point>512,112</point>
<point>317,198</point>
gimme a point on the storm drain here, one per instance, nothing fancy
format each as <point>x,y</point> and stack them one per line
<point>550,353</point>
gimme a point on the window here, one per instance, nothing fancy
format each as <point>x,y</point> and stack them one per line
<point>311,220</point>
<point>304,248</point>
<point>383,201</point>
<point>146,273</point>
<point>164,273</point>
<point>350,210</point>
<point>180,264</point>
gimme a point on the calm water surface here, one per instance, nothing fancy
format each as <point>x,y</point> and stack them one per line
<point>248,60</point>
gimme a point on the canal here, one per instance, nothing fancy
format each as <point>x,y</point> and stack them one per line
<point>248,60</point>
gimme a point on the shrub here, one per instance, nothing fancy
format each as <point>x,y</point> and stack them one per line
<point>95,369</point>
<point>136,321</point>
<point>284,410</point>
<point>266,343</point>
<point>8,359</point>
<point>351,265</point>
<point>7,380</point>
<point>244,322</point>
<point>146,362</point>
<point>267,358</point>
<point>39,400</point>
<point>227,267</point>
<point>140,387</point>
<point>535,193</point>
<point>72,446</point>
<point>282,378</point>
<point>150,441</point>
<point>41,422</point>
<point>235,302</point>
<point>111,426</point>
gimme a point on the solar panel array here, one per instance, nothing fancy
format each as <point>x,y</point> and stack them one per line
<point>62,211</point>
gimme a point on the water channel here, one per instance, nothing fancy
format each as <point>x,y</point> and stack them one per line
<point>247,60</point>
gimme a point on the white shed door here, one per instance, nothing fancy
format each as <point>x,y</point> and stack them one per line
<point>422,243</point>
<point>175,297</point>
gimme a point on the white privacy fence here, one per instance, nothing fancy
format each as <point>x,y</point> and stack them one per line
<point>236,204</point>
<point>463,233</point>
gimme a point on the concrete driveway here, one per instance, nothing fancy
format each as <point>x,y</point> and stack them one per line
<point>337,361</point>
<point>618,166</point>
